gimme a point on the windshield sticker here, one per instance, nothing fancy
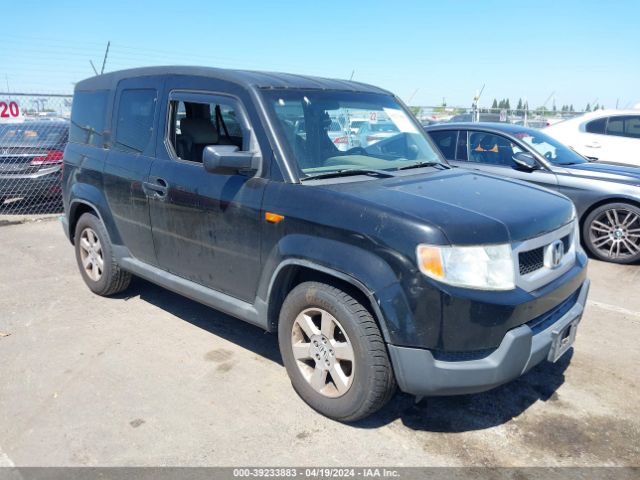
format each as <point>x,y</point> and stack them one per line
<point>400,120</point>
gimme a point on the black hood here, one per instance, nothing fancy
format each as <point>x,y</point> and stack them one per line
<point>616,172</point>
<point>468,207</point>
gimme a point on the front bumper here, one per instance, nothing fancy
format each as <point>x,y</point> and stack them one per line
<point>419,373</point>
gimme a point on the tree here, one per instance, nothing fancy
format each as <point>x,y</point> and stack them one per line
<point>507,105</point>
<point>519,107</point>
<point>494,105</point>
<point>588,108</point>
<point>571,108</point>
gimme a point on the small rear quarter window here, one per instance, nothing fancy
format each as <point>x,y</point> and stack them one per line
<point>88,113</point>
<point>596,126</point>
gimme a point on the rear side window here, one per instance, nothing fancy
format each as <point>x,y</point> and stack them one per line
<point>596,126</point>
<point>446,142</point>
<point>134,124</point>
<point>88,113</point>
<point>624,126</point>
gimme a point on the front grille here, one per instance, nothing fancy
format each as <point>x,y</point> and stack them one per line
<point>545,320</point>
<point>531,260</point>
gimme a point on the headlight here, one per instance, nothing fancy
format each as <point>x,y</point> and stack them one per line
<point>485,267</point>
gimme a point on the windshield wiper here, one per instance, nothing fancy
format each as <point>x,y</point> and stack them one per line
<point>425,164</point>
<point>348,172</point>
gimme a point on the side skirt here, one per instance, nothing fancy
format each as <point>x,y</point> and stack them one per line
<point>212,298</point>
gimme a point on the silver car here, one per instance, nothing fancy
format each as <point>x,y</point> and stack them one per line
<point>606,195</point>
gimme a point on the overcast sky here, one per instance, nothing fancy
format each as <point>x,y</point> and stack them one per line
<point>583,50</point>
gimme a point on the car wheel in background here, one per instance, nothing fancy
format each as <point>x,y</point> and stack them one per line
<point>611,233</point>
<point>334,353</point>
<point>95,258</point>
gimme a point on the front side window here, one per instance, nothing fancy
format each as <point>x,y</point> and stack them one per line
<point>491,149</point>
<point>551,149</point>
<point>335,131</point>
<point>194,125</point>
<point>88,113</point>
<point>134,124</point>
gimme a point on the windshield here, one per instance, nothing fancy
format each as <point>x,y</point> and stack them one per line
<point>388,140</point>
<point>31,135</point>
<point>550,148</point>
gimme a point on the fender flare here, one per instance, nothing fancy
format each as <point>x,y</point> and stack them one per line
<point>84,194</point>
<point>369,273</point>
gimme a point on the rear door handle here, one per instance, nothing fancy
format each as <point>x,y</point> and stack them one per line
<point>156,188</point>
<point>593,145</point>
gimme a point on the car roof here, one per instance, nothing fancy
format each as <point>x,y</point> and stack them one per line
<point>246,78</point>
<point>483,126</point>
<point>608,113</point>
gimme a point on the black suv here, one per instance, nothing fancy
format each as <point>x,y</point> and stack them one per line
<point>377,266</point>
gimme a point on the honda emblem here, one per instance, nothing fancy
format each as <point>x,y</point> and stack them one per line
<point>554,254</point>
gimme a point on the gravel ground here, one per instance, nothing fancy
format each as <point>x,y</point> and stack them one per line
<point>151,378</point>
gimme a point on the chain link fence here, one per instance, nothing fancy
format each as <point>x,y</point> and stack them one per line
<point>34,129</point>
<point>538,118</point>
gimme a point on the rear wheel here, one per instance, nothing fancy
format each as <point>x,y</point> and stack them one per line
<point>612,233</point>
<point>95,258</point>
<point>334,352</point>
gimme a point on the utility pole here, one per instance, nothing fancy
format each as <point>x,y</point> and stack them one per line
<point>475,114</point>
<point>412,95</point>
<point>104,61</point>
<point>106,54</point>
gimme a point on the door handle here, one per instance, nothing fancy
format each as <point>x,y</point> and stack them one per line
<point>156,188</point>
<point>593,145</point>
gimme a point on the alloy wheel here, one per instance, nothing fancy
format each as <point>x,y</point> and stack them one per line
<point>323,352</point>
<point>91,254</point>
<point>615,233</point>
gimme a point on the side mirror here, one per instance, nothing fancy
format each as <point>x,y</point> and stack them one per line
<point>228,159</point>
<point>524,161</point>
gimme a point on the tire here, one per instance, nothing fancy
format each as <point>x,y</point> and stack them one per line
<point>611,233</point>
<point>109,279</point>
<point>364,384</point>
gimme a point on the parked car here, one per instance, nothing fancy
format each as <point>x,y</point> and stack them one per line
<point>339,135</point>
<point>31,159</point>
<point>370,133</point>
<point>603,135</point>
<point>376,268</point>
<point>607,197</point>
<point>468,117</point>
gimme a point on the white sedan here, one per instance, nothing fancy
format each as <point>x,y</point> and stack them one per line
<point>604,135</point>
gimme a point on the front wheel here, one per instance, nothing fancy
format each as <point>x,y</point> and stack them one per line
<point>612,233</point>
<point>334,353</point>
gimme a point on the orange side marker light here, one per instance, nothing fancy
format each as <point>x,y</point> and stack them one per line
<point>273,217</point>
